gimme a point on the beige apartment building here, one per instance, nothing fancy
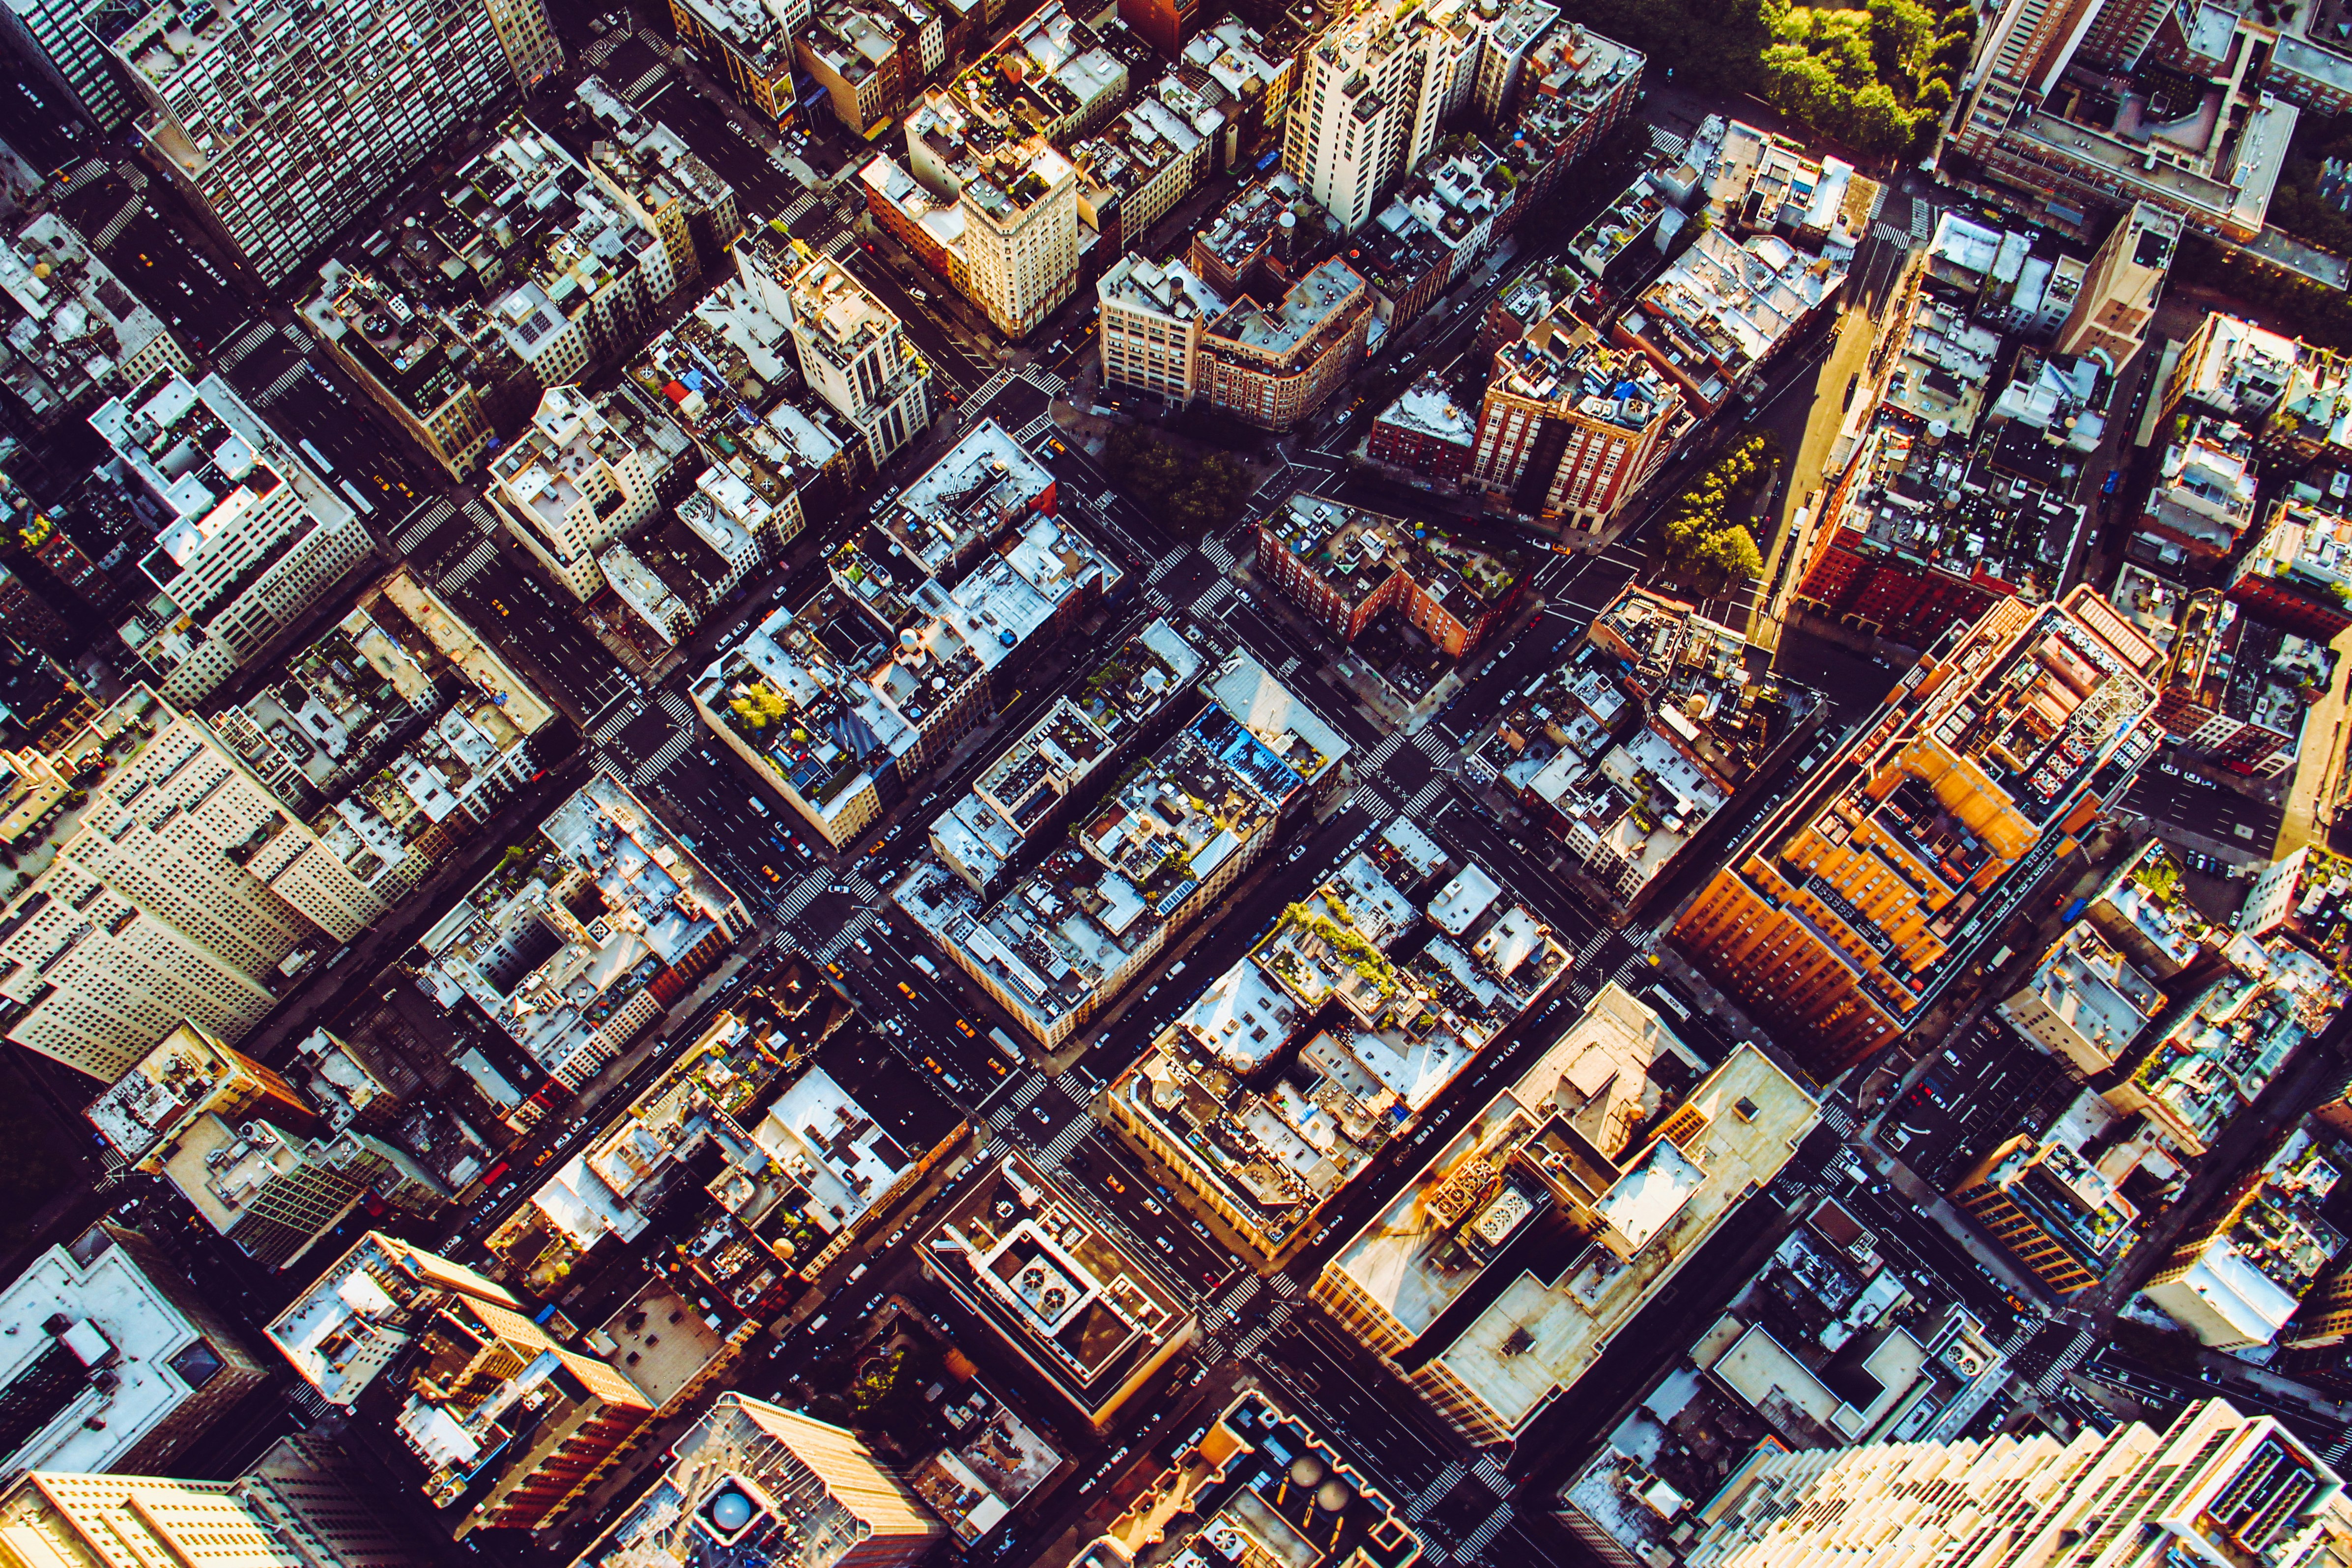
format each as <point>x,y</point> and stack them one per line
<point>571,483</point>
<point>281,126</point>
<point>178,889</point>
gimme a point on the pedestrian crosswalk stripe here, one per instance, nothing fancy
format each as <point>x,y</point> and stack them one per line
<point>481,556</point>
<point>434,514</point>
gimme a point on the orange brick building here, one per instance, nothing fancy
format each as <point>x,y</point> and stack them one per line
<point>1853,905</point>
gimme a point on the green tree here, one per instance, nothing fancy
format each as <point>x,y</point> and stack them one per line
<point>1876,122</point>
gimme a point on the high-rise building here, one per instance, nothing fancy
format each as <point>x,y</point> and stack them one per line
<point>2245,1484</point>
<point>250,538</point>
<point>1509,40</point>
<point>1020,235</point>
<point>1496,1276</point>
<point>50,38</point>
<point>753,1482</point>
<point>1572,426</point>
<point>2059,159</point>
<point>113,1360</point>
<point>237,1140</point>
<point>1369,97</point>
<point>647,169</point>
<point>178,889</point>
<point>2119,294</point>
<point>1855,904</point>
<point>571,483</point>
<point>510,1427</point>
<point>300,1506</point>
<point>853,352</point>
<point>2049,1209</point>
<point>752,46</point>
<point>1054,1288</point>
<point>280,128</point>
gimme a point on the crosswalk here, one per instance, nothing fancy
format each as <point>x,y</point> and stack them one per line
<point>667,752</point>
<point>856,926</point>
<point>422,523</point>
<point>1213,598</point>
<point>1923,220</point>
<point>481,556</point>
<point>285,381</point>
<point>1370,801</point>
<point>612,723</point>
<point>676,707</point>
<point>481,516</point>
<point>997,383</point>
<point>1167,564</point>
<point>1050,382</point>
<point>1217,553</point>
<point>1068,1139</point>
<point>252,338</point>
<point>1498,1480</point>
<point>1474,1544</point>
<point>597,53</point>
<point>1428,797</point>
<point>1440,1485</point>
<point>1432,744</point>
<point>116,224</point>
<point>1284,1285</point>
<point>794,212</point>
<point>2067,1360</point>
<point>91,171</point>
<point>1028,433</point>
<point>654,76</point>
<point>1244,1291</point>
<point>1250,1344</point>
<point>1018,1097</point>
<point>803,894</point>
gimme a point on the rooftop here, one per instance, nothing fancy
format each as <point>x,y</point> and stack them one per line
<point>1323,297</point>
<point>1259,1487</point>
<point>1057,1288</point>
<point>1281,1121</point>
<point>2230,1039</point>
<point>986,485</point>
<point>1357,551</point>
<point>1525,1242</point>
<point>94,1355</point>
<point>1428,407</point>
<point>1564,362</point>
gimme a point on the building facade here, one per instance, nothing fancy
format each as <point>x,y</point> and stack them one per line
<point>279,135</point>
<point>179,889</point>
<point>1371,94</point>
<point>1999,750</point>
<point>251,538</point>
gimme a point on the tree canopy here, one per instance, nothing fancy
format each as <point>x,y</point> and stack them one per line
<point>1877,79</point>
<point>1707,541</point>
<point>1188,496</point>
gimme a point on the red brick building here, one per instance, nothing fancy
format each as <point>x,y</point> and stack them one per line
<point>1426,430</point>
<point>1343,565</point>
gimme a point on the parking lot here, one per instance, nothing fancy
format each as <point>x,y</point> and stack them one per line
<point>1973,1096</point>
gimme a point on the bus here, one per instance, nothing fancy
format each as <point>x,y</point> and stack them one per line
<point>366,507</point>
<point>317,457</point>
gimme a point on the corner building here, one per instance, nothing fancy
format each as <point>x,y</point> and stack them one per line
<point>1853,905</point>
